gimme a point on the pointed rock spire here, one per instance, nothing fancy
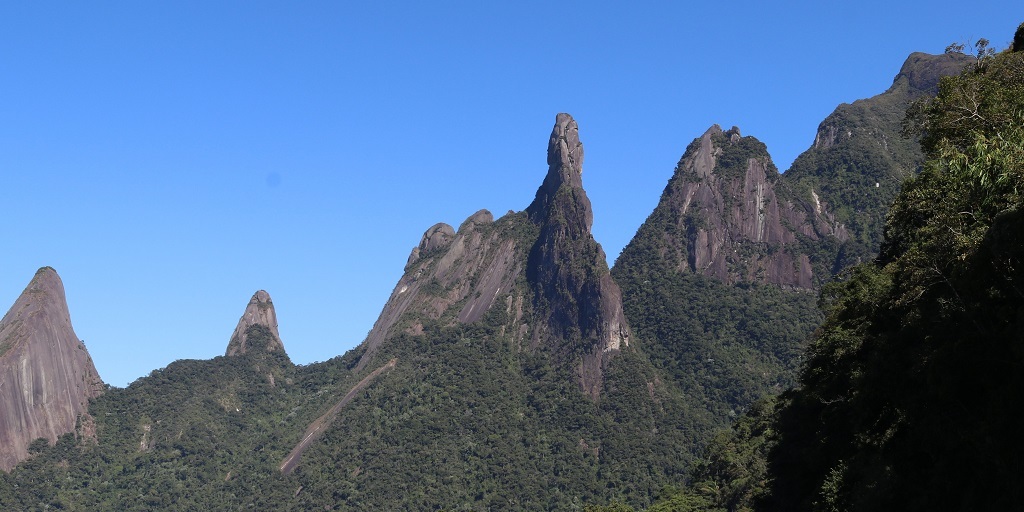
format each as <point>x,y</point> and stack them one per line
<point>260,311</point>
<point>567,267</point>
<point>46,374</point>
<point>565,168</point>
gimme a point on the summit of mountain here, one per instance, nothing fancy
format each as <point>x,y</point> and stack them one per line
<point>860,157</point>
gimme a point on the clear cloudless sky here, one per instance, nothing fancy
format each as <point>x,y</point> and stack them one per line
<point>171,158</point>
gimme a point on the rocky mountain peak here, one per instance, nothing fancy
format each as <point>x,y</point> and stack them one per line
<point>474,268</point>
<point>565,168</point>
<point>867,132</point>
<point>725,214</point>
<point>458,276</point>
<point>46,374</point>
<point>259,311</point>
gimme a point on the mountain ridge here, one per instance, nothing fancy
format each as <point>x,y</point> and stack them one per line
<point>521,372</point>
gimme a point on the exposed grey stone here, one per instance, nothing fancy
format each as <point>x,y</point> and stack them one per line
<point>46,374</point>
<point>259,311</point>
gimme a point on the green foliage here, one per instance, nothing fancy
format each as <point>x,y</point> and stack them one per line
<point>732,163</point>
<point>467,421</point>
<point>38,445</point>
<point>856,167</point>
<point>904,398</point>
<point>732,475</point>
<point>723,346</point>
<point>985,99</point>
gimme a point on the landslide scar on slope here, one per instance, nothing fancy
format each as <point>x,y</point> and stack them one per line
<point>317,428</point>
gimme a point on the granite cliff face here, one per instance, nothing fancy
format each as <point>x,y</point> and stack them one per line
<point>260,311</point>
<point>454,277</point>
<point>46,374</point>
<point>541,267</point>
<point>725,213</point>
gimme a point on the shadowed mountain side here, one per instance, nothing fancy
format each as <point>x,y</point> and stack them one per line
<point>860,158</point>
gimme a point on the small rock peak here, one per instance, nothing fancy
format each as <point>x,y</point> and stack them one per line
<point>701,154</point>
<point>47,281</point>
<point>734,134</point>
<point>438,235</point>
<point>565,165</point>
<point>714,129</point>
<point>45,292</point>
<point>259,311</point>
<point>480,218</point>
<point>46,273</point>
<point>565,151</point>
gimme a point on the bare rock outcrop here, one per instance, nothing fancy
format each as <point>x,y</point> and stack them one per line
<point>453,275</point>
<point>260,311</point>
<point>46,374</point>
<point>725,214</point>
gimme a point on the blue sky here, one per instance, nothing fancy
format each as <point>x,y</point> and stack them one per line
<point>169,159</point>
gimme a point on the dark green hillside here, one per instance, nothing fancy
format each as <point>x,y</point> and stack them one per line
<point>908,398</point>
<point>860,156</point>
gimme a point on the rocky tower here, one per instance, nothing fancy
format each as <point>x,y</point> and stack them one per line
<point>542,266</point>
<point>580,304</point>
<point>260,311</point>
<point>46,374</point>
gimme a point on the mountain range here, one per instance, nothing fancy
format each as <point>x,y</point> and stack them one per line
<point>509,369</point>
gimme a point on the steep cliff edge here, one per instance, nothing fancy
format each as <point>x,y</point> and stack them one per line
<point>455,277</point>
<point>46,374</point>
<point>260,311</point>
<point>717,283</point>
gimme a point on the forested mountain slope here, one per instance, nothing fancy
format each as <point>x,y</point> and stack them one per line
<point>907,398</point>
